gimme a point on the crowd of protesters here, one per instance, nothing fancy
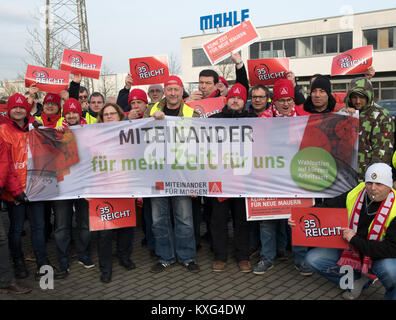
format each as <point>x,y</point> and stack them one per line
<point>172,225</point>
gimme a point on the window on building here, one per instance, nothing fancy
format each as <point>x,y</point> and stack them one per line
<point>255,50</point>
<point>345,41</point>
<point>383,38</point>
<point>290,47</point>
<point>317,45</point>
<point>199,58</point>
<point>332,43</point>
<point>265,51</point>
<point>304,47</point>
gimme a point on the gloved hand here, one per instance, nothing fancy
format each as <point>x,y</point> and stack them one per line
<point>21,197</point>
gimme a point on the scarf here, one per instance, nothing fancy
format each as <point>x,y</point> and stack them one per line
<point>351,256</point>
<point>50,120</point>
<point>274,111</point>
<point>66,124</point>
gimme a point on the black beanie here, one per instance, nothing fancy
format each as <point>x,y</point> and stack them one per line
<point>322,83</point>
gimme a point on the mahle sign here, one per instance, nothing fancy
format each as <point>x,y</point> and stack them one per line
<point>226,19</point>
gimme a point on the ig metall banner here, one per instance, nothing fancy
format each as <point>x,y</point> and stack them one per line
<point>300,157</point>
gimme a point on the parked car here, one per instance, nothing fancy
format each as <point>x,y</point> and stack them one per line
<point>388,104</point>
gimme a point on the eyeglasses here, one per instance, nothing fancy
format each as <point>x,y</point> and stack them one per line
<point>258,97</point>
<point>110,114</point>
<point>286,100</point>
<point>82,97</point>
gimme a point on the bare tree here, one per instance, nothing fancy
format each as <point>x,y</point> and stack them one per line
<point>174,64</point>
<point>225,70</point>
<point>106,85</point>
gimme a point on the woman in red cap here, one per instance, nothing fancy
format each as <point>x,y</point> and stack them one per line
<point>51,115</point>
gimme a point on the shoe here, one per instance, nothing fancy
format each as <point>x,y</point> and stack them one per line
<point>219,266</point>
<point>127,264</point>
<point>86,262</point>
<point>245,266</point>
<point>30,256</point>
<point>304,270</point>
<point>159,267</point>
<point>262,267</point>
<point>105,277</point>
<point>192,266</point>
<point>20,268</point>
<point>15,289</point>
<point>61,274</point>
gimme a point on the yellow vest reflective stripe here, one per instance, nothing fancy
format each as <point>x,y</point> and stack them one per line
<point>352,198</point>
<point>187,110</point>
<point>90,119</point>
<point>394,160</point>
<point>58,123</point>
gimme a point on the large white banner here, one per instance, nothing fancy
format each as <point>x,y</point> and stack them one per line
<point>304,157</point>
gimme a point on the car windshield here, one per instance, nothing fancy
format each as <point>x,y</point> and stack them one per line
<point>390,105</point>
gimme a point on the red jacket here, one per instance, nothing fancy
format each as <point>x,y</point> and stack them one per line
<point>8,178</point>
<point>269,113</point>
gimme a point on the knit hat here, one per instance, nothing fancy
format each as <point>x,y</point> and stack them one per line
<point>237,90</point>
<point>173,80</point>
<point>379,173</point>
<point>137,94</point>
<point>52,97</point>
<point>283,88</point>
<point>18,100</point>
<point>221,79</point>
<point>72,105</point>
<point>322,83</point>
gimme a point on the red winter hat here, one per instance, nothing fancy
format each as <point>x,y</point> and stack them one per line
<point>221,79</point>
<point>52,97</point>
<point>237,90</point>
<point>18,100</point>
<point>283,88</point>
<point>72,105</point>
<point>137,94</point>
<point>173,80</point>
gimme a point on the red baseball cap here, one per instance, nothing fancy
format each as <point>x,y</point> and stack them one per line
<point>223,80</point>
<point>173,80</point>
<point>72,105</point>
<point>137,94</point>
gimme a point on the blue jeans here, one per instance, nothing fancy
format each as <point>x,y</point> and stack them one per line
<point>324,262</point>
<point>181,242</point>
<point>273,237</point>
<point>35,214</point>
<point>63,230</point>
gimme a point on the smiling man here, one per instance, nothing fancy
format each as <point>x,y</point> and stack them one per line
<point>320,100</point>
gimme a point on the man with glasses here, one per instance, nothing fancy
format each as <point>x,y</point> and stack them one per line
<point>83,99</point>
<point>155,93</point>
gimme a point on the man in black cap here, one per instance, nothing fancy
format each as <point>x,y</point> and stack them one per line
<point>320,100</point>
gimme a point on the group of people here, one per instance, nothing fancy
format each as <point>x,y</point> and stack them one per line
<point>172,224</point>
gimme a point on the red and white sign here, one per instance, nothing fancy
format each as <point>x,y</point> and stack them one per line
<point>86,64</point>
<point>208,107</point>
<point>267,71</point>
<point>111,213</point>
<point>319,227</point>
<point>231,41</point>
<point>48,80</point>
<point>274,208</point>
<point>355,61</point>
<point>149,70</point>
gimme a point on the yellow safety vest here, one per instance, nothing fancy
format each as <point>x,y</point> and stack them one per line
<point>187,110</point>
<point>394,160</point>
<point>90,119</point>
<point>58,123</point>
<point>352,198</point>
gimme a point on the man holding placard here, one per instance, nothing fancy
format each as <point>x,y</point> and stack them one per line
<point>371,235</point>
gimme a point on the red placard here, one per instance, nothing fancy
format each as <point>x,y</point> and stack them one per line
<point>319,227</point>
<point>207,107</point>
<point>233,40</point>
<point>355,61</point>
<point>48,80</point>
<point>149,70</point>
<point>86,64</point>
<point>267,71</point>
<point>274,208</point>
<point>107,214</point>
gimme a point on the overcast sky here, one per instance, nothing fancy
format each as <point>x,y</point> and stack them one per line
<point>123,29</point>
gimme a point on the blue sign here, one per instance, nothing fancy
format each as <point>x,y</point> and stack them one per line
<point>226,19</point>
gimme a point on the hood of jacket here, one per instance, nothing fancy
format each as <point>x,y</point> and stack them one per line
<point>363,87</point>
